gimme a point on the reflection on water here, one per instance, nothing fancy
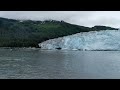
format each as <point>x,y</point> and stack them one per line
<point>42,64</point>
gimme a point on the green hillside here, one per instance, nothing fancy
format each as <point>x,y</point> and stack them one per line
<point>16,33</point>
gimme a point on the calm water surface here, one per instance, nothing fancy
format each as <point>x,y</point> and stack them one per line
<point>48,64</point>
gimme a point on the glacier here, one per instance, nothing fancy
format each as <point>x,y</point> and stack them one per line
<point>93,40</point>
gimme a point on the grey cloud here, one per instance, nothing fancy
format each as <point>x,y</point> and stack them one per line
<point>86,18</point>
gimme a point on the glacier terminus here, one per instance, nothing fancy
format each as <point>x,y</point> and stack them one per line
<point>93,40</point>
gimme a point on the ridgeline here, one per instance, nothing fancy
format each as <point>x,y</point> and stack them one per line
<point>28,33</point>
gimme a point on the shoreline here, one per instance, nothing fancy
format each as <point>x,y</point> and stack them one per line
<point>19,48</point>
<point>50,49</point>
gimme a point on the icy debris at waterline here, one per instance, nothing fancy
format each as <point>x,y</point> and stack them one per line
<point>94,40</point>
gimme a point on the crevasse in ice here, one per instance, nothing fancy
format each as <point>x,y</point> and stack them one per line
<point>93,40</point>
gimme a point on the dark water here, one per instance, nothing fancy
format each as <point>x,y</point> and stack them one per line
<point>41,64</point>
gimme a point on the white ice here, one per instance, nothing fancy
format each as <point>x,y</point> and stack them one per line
<point>94,40</point>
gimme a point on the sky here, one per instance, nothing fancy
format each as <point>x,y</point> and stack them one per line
<point>84,18</point>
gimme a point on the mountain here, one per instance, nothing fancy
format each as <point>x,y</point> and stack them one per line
<point>28,33</point>
<point>93,40</point>
<point>99,27</point>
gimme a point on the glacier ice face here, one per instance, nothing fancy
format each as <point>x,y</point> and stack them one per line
<point>94,40</point>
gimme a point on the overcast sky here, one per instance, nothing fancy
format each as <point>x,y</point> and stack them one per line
<point>85,18</point>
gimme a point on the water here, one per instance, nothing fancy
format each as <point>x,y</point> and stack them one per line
<point>42,64</point>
